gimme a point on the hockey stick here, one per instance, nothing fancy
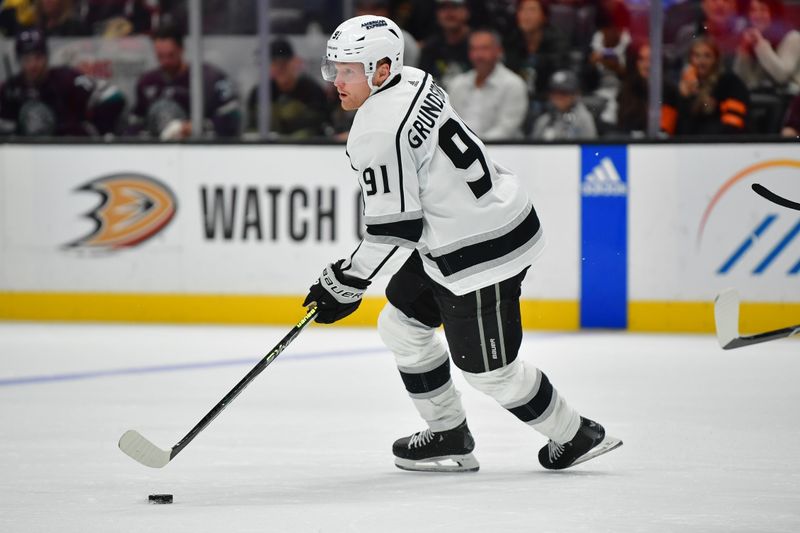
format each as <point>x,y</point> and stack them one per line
<point>136,446</point>
<point>726,316</point>
<point>774,198</point>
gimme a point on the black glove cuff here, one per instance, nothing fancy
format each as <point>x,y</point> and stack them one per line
<point>344,289</point>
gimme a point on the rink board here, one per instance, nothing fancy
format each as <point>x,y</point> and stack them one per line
<point>235,234</point>
<point>696,227</point>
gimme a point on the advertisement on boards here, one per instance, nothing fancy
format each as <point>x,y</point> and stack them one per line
<point>697,226</point>
<point>223,220</point>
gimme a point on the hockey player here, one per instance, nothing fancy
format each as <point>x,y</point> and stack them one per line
<point>45,101</point>
<point>458,232</point>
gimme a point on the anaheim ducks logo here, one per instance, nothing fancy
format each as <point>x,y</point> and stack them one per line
<point>133,209</point>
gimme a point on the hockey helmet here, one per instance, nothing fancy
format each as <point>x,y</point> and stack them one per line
<point>366,39</point>
<point>30,41</point>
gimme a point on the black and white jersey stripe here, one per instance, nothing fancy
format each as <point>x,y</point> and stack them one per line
<point>480,252</point>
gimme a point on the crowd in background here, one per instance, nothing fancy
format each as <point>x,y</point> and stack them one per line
<point>514,69</point>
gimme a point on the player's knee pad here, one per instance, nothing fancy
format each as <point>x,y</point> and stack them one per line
<point>507,384</point>
<point>414,344</point>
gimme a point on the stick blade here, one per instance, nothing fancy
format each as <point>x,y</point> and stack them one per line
<point>726,316</point>
<point>138,448</point>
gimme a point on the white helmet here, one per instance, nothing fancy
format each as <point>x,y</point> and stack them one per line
<point>366,39</point>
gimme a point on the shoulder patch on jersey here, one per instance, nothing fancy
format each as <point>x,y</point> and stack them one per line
<point>427,114</point>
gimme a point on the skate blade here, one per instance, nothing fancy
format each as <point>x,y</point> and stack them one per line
<point>606,445</point>
<point>447,463</point>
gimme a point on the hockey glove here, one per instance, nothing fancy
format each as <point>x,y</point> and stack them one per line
<point>335,293</point>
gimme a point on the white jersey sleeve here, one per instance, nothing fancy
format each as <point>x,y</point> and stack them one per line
<point>387,175</point>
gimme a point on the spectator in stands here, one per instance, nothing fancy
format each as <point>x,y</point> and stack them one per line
<point>769,52</point>
<point>59,18</point>
<point>677,14</point>
<point>163,97</point>
<point>240,17</point>
<point>15,15</point>
<point>791,124</point>
<point>719,21</point>
<point>606,62</point>
<point>300,107</point>
<point>117,18</point>
<point>223,17</point>
<point>419,16</point>
<point>711,99</point>
<point>381,9</point>
<point>498,15</point>
<point>490,98</point>
<point>446,54</point>
<point>535,50</point>
<point>566,117</point>
<point>43,101</point>
<point>633,96</point>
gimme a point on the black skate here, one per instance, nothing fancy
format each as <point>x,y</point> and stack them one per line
<point>442,451</point>
<point>590,441</point>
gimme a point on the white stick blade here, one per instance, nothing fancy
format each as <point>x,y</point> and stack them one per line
<point>134,445</point>
<point>726,316</point>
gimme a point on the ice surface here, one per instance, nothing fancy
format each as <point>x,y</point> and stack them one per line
<point>711,437</point>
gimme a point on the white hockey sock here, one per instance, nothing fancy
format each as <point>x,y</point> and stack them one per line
<point>443,411</point>
<point>424,365</point>
<point>526,392</point>
<point>563,422</point>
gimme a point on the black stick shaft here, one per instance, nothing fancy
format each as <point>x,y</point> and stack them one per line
<point>774,198</point>
<point>763,337</point>
<point>234,392</point>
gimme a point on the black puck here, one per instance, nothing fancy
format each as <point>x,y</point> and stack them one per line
<point>160,498</point>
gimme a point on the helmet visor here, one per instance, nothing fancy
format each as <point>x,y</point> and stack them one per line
<point>344,72</point>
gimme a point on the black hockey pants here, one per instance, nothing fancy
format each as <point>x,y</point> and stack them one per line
<point>483,328</point>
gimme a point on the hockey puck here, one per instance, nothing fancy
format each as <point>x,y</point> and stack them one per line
<point>160,498</point>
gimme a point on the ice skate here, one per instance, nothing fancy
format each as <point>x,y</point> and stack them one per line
<point>441,451</point>
<point>590,441</point>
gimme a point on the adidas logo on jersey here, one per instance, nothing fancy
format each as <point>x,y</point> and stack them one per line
<point>603,180</point>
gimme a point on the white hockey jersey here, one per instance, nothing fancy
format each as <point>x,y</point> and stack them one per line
<point>428,184</point>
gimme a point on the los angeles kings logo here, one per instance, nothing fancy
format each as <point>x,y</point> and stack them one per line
<point>133,208</point>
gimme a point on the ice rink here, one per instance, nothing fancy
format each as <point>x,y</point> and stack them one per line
<point>711,437</point>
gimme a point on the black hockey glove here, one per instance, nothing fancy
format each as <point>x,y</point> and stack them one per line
<point>336,294</point>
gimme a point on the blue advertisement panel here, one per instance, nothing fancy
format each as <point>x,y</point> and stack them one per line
<point>604,236</point>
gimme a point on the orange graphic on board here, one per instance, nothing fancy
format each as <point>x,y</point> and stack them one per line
<point>133,209</point>
<point>738,177</point>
